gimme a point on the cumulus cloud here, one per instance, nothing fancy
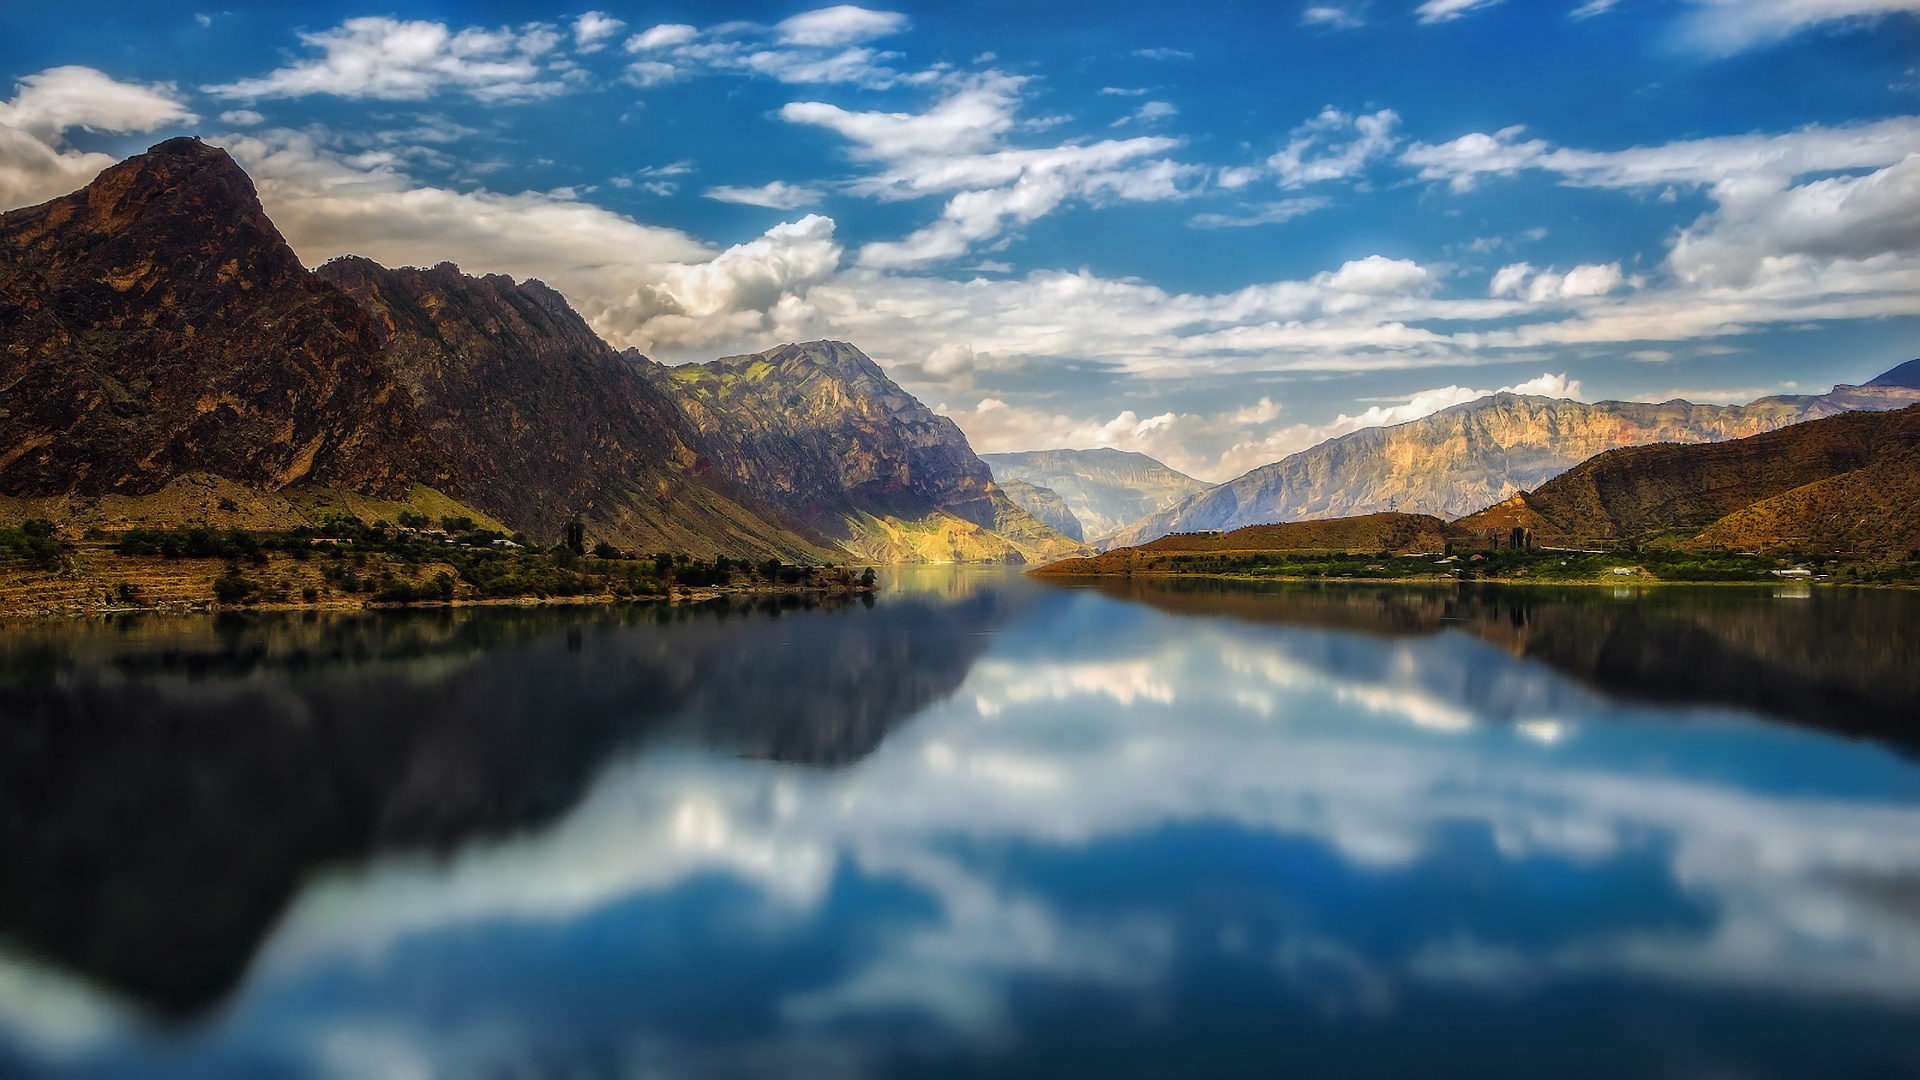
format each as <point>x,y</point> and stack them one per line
<point>412,60</point>
<point>1334,146</point>
<point>591,31</point>
<point>36,162</point>
<point>993,427</point>
<point>1723,27</point>
<point>775,195</point>
<point>841,25</point>
<point>1547,286</point>
<point>1149,112</point>
<point>959,145</point>
<point>1332,17</point>
<point>1439,11</point>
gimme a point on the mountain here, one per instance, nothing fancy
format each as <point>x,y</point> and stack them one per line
<point>1472,455</point>
<point>1846,483</point>
<point>157,325</point>
<point>1907,375</point>
<point>543,421</point>
<point>819,431</point>
<point>1399,534</point>
<point>1046,504</point>
<point>1106,490</point>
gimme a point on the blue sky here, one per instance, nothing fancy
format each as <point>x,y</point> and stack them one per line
<point>1215,232</point>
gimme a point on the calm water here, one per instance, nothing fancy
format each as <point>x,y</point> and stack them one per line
<point>978,827</point>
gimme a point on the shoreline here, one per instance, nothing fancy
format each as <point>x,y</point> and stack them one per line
<point>1043,574</point>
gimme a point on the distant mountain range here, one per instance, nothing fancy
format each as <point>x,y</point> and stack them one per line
<point>1104,490</point>
<point>819,431</point>
<point>168,360</point>
<point>1461,459</point>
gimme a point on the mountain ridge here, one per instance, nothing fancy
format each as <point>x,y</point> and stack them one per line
<point>1105,489</point>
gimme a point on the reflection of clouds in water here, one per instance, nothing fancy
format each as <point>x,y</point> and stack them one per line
<point>1370,747</point>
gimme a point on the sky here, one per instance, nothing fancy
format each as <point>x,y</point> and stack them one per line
<point>1216,232</point>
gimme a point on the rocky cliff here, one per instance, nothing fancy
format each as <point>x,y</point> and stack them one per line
<point>819,431</point>
<point>1844,483</point>
<point>543,421</point>
<point>1106,490</point>
<point>155,324</point>
<point>1476,454</point>
<point>1043,503</point>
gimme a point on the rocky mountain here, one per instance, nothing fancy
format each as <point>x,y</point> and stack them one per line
<point>542,420</point>
<point>1046,504</point>
<point>156,325</point>
<point>1106,490</point>
<point>1907,375</point>
<point>1399,534</point>
<point>1479,453</point>
<point>1847,484</point>
<point>819,431</point>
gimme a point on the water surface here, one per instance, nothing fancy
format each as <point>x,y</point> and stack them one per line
<point>980,827</point>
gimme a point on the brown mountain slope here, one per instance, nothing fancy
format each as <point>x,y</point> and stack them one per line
<point>1390,532</point>
<point>1872,511</point>
<point>543,421</point>
<point>1641,492</point>
<point>818,430</point>
<point>155,324</point>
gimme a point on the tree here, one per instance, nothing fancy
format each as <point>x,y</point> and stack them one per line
<point>866,578</point>
<point>576,536</point>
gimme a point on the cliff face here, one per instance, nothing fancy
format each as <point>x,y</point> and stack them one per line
<point>543,421</point>
<point>819,431</point>
<point>1841,483</point>
<point>1473,455</point>
<point>156,324</point>
<point>1107,490</point>
<point>1046,504</point>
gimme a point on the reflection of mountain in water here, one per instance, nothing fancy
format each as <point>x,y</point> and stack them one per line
<point>1842,661</point>
<point>167,784</point>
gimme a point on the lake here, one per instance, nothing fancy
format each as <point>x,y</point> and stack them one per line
<point>976,826</point>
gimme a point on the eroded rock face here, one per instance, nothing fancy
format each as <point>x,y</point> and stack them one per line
<point>1471,456</point>
<point>1106,489</point>
<point>155,323</point>
<point>818,430</point>
<point>543,420</point>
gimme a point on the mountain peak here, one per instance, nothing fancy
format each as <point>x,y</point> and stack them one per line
<point>1906,375</point>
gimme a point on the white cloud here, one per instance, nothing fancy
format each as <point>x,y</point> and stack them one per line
<point>1272,213</point>
<point>843,24</point>
<point>1591,8</point>
<point>664,36</point>
<point>1439,11</point>
<point>775,195</point>
<point>590,31</point>
<point>395,60</point>
<point>36,164</point>
<point>958,145</point>
<point>1334,146</point>
<point>1723,27</point>
<point>1163,53</point>
<point>748,280</point>
<point>993,427</point>
<point>242,118</point>
<point>1547,286</point>
<point>1332,17</point>
<point>1148,112</point>
<point>1377,275</point>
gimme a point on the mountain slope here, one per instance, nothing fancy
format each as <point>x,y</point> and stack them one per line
<point>156,325</point>
<point>544,421</point>
<point>1840,483</point>
<point>1046,504</point>
<point>1106,490</point>
<point>1389,532</point>
<point>819,431</point>
<point>1471,455</point>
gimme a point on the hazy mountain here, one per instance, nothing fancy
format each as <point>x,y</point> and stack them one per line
<point>1106,490</point>
<point>1848,483</point>
<point>1479,453</point>
<point>1906,375</point>
<point>1045,504</point>
<point>1400,534</point>
<point>819,431</point>
<point>542,420</point>
<point>158,325</point>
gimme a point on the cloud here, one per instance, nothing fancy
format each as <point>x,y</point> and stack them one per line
<point>959,145</point>
<point>775,195</point>
<point>394,60</point>
<point>1546,286</point>
<point>1439,11</point>
<point>1272,213</point>
<point>993,427</point>
<point>590,31</point>
<point>1724,27</point>
<point>1148,113</point>
<point>664,36</point>
<point>841,25</point>
<point>1316,151</point>
<point>1591,8</point>
<point>36,164</point>
<point>242,118</point>
<point>740,286</point>
<point>1331,17</point>
<point>1162,53</point>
